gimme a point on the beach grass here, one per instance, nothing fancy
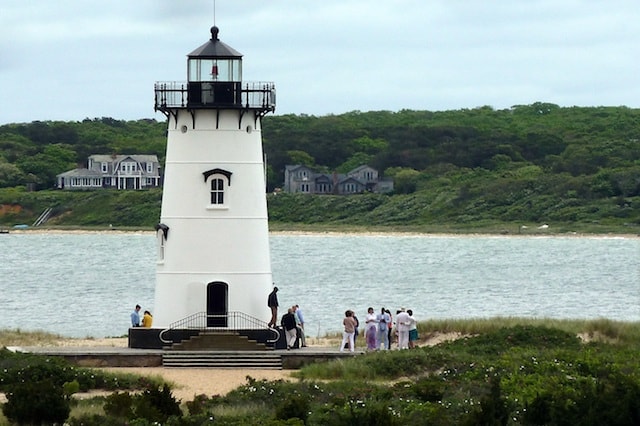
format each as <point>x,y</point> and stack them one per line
<point>18,337</point>
<point>599,328</point>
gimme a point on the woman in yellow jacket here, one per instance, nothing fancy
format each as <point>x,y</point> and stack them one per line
<point>147,319</point>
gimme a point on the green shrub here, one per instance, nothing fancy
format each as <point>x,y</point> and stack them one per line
<point>69,388</point>
<point>94,420</point>
<point>119,405</point>
<point>503,339</point>
<point>368,412</point>
<point>41,402</point>
<point>198,405</point>
<point>19,367</point>
<point>157,405</point>
<point>430,389</point>
<point>614,400</point>
<point>292,407</point>
<point>493,407</point>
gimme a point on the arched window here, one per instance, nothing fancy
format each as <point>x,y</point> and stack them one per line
<point>217,191</point>
<point>219,181</point>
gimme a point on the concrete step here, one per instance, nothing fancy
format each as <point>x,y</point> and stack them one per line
<point>201,359</point>
<point>219,341</point>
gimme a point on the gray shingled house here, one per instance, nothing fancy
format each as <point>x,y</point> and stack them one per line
<point>115,172</point>
<point>304,179</point>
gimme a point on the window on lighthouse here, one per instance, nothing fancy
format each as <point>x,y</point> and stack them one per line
<point>217,191</point>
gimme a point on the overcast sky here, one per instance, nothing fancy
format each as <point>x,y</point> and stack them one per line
<point>73,59</point>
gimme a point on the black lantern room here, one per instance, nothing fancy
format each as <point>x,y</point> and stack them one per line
<point>214,74</point>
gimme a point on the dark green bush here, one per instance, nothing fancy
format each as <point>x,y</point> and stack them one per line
<point>157,405</point>
<point>119,405</point>
<point>19,367</point>
<point>198,405</point>
<point>368,412</point>
<point>430,389</point>
<point>504,339</point>
<point>614,400</point>
<point>293,407</point>
<point>493,408</point>
<point>41,402</point>
<point>94,420</point>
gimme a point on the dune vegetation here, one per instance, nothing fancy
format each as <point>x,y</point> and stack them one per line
<point>498,371</point>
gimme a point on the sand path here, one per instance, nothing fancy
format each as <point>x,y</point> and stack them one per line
<point>188,382</point>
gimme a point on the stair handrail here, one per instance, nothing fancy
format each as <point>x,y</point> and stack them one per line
<point>232,321</point>
<point>44,216</point>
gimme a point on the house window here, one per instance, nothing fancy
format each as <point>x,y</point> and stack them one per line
<point>304,187</point>
<point>149,167</point>
<point>133,167</point>
<point>104,167</point>
<point>217,191</point>
<point>322,188</point>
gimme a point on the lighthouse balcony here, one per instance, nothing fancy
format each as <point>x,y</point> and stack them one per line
<point>171,95</point>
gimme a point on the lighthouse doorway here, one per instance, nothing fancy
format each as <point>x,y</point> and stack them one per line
<point>217,302</point>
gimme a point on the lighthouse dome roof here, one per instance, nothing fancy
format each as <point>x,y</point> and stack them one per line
<point>214,48</point>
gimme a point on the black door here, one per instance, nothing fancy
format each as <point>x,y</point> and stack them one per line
<point>217,295</point>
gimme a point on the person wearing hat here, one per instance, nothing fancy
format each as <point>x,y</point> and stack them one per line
<point>272,302</point>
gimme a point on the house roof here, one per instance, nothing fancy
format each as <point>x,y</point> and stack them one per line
<point>140,158</point>
<point>80,173</point>
<point>359,168</point>
<point>350,179</point>
<point>293,167</point>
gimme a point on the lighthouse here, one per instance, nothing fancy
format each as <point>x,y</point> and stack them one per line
<point>213,259</point>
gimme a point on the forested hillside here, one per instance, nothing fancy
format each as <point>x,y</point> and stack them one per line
<point>526,164</point>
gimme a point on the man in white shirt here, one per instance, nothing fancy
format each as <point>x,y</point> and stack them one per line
<point>403,321</point>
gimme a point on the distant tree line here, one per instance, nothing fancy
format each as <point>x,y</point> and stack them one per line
<point>527,160</point>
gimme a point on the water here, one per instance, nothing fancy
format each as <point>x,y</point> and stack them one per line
<point>87,284</point>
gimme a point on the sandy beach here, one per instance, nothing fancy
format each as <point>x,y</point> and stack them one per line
<point>532,233</point>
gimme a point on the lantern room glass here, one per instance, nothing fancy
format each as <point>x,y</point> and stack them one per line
<point>215,70</point>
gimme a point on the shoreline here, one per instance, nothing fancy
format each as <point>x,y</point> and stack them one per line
<point>529,234</point>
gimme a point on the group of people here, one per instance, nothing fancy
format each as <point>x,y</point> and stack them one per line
<point>380,329</point>
<point>292,322</point>
<point>145,321</point>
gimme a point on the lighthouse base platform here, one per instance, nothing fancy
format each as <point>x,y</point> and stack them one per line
<point>208,339</point>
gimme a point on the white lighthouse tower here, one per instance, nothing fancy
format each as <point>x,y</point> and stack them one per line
<point>213,237</point>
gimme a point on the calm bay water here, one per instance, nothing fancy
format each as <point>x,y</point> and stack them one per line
<point>87,284</point>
